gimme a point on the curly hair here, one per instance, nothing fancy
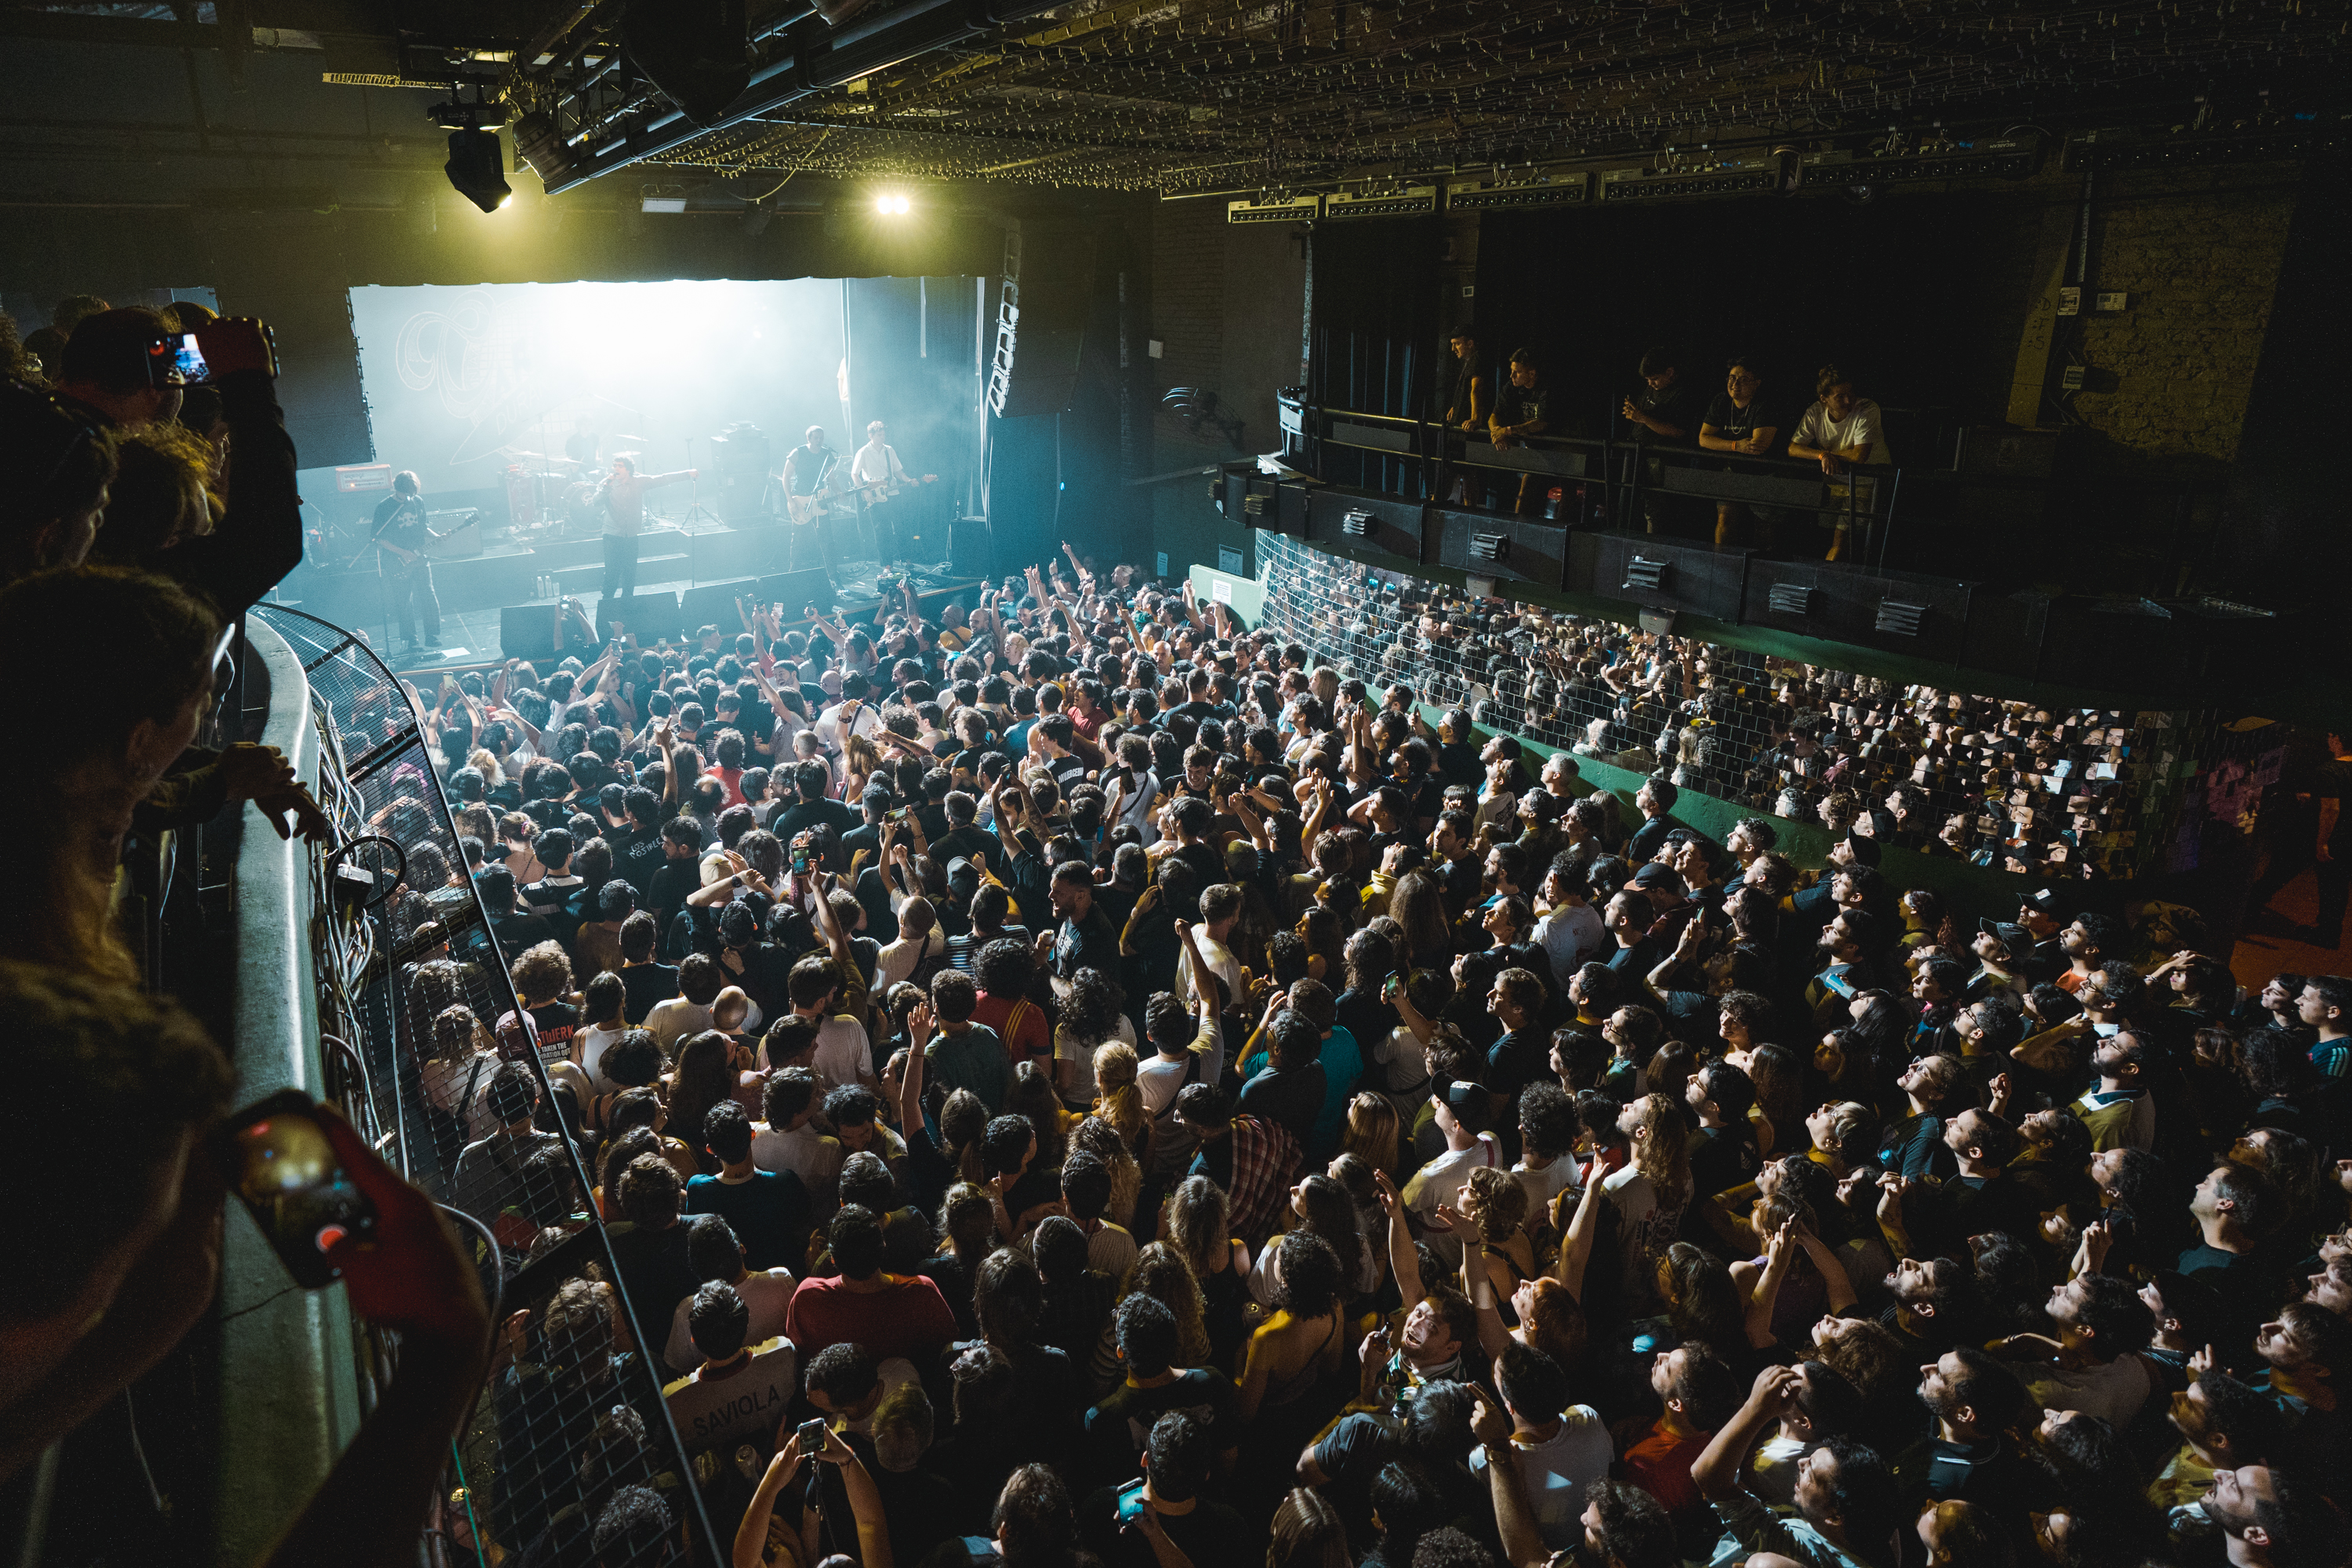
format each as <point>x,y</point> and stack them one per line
<point>1496,1203</point>
<point>1161,1273</point>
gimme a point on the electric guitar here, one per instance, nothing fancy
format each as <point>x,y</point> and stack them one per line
<point>882,489</point>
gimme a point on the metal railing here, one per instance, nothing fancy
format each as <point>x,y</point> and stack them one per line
<point>1887,510</point>
<point>561,1400</point>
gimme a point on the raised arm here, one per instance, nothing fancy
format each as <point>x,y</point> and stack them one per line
<point>1403,1261</point>
<point>1576,1242</point>
<point>1514,1519</point>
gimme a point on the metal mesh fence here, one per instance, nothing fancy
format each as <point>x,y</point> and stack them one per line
<point>445,1070</point>
<point>2007,783</point>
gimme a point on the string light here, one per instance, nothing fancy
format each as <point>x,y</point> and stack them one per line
<point>1123,97</point>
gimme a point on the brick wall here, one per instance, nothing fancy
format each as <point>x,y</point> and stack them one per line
<point>2199,252</point>
<point>1226,305</point>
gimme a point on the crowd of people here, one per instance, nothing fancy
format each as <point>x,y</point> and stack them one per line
<point>1081,1079</point>
<point>1151,1097</point>
<point>2001,783</point>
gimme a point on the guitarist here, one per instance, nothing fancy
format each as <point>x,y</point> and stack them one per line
<point>401,534</point>
<point>878,475</point>
<point>808,467</point>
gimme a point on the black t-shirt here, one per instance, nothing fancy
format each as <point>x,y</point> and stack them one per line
<point>1117,1427</point>
<point>400,522</point>
<point>1675,403</point>
<point>805,814</point>
<point>1734,423</point>
<point>804,468</point>
<point>770,1214</point>
<point>642,986</point>
<point>1213,1533</point>
<point>1522,404</point>
<point>971,842</point>
<point>1087,943</point>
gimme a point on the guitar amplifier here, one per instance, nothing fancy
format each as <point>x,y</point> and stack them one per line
<point>462,532</point>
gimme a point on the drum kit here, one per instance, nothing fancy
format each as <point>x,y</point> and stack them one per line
<point>557,498</point>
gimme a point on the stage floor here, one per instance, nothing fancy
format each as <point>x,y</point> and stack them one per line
<point>470,637</point>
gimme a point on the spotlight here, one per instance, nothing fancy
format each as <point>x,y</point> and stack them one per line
<point>891,205</point>
<point>755,216</point>
<point>477,168</point>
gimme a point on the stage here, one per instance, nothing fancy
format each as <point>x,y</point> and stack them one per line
<point>686,577</point>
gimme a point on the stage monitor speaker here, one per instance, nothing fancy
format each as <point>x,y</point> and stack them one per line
<point>713,605</point>
<point>969,551</point>
<point>526,631</point>
<point>1040,320</point>
<point>652,616</point>
<point>796,591</point>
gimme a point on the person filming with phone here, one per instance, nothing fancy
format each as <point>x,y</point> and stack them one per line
<point>100,1291</point>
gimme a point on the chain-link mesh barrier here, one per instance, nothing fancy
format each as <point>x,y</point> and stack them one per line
<point>448,1071</point>
<point>2007,783</point>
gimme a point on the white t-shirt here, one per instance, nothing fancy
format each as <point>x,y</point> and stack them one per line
<point>1082,1057</point>
<point>898,959</point>
<point>2113,1393</point>
<point>1224,965</point>
<point>592,1043</point>
<point>742,1408</point>
<point>1645,1229</point>
<point>1545,1183</point>
<point>1865,426</point>
<point>1157,1080</point>
<point>1571,935</point>
<point>814,1157</point>
<point>1440,1182</point>
<point>843,1055</point>
<point>765,1291</point>
<point>865,718</point>
<point>1135,805</point>
<point>1772,1468</point>
<point>1557,1471</point>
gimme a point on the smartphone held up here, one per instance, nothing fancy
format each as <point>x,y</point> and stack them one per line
<point>280,1163</point>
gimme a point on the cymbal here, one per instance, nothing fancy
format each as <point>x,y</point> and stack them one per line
<point>624,435</point>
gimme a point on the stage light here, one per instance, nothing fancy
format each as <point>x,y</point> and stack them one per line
<point>891,205</point>
<point>662,205</point>
<point>477,168</point>
<point>755,216</point>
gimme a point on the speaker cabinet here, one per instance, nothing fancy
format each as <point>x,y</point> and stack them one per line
<point>796,591</point>
<point>1347,519</point>
<point>1043,302</point>
<point>713,605</point>
<point>1902,612</point>
<point>526,631</point>
<point>1507,549</point>
<point>652,616</point>
<point>1656,575</point>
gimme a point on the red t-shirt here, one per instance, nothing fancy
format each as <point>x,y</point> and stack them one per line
<point>1027,1038</point>
<point>1660,1464</point>
<point>908,1317</point>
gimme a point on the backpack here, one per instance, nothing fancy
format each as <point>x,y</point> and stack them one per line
<point>930,963</point>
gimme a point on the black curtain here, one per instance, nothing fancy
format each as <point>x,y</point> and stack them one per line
<point>1899,292</point>
<point>1372,337</point>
